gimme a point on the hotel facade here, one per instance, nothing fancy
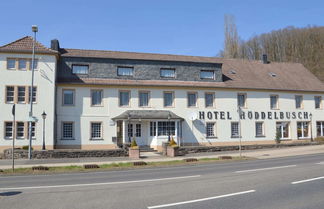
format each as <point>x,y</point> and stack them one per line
<point>103,99</point>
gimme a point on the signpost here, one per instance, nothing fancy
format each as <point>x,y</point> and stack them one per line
<point>13,136</point>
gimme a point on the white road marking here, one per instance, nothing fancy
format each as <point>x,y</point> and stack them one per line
<point>320,163</point>
<point>98,184</point>
<point>200,200</point>
<point>307,180</point>
<point>264,169</point>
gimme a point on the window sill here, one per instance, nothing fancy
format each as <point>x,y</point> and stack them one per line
<point>236,137</point>
<point>95,139</point>
<point>67,139</point>
<point>261,136</point>
<point>211,137</point>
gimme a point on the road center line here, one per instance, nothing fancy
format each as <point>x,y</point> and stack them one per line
<point>98,184</point>
<point>200,200</point>
<point>307,180</point>
<point>263,169</point>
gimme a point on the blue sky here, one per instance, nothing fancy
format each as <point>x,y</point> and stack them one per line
<point>188,27</point>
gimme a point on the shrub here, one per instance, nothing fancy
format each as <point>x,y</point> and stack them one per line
<point>26,147</point>
<point>319,140</point>
<point>172,142</point>
<point>134,144</point>
<point>278,136</point>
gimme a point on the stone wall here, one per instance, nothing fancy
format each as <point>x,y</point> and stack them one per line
<point>37,154</point>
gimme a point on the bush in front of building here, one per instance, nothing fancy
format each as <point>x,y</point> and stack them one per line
<point>173,143</point>
<point>134,144</point>
<point>278,136</point>
<point>319,140</point>
<point>26,147</point>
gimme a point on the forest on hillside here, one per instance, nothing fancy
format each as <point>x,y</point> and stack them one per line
<point>290,44</point>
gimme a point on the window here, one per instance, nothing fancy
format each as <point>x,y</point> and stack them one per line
<point>320,128</point>
<point>138,132</point>
<point>96,97</point>
<point>210,130</point>
<point>274,101</point>
<point>302,129</point>
<point>318,102</point>
<point>283,129</point>
<point>33,129</point>
<point>67,130</point>
<point>207,74</point>
<point>144,97</point>
<point>80,69</point>
<point>167,73</point>
<point>209,99</point>
<point>168,99</point>
<point>125,71</point>
<point>299,101</point>
<point>34,94</point>
<point>235,130</point>
<point>152,128</point>
<point>11,63</point>
<point>124,98</point>
<point>192,99</point>
<point>259,132</point>
<point>10,94</point>
<point>96,132</point>
<point>130,130</point>
<point>8,129</point>
<point>165,128</point>
<point>20,130</point>
<point>22,64</point>
<point>21,94</point>
<point>241,100</point>
<point>68,97</point>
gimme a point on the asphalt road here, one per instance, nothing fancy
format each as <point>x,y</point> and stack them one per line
<point>291,182</point>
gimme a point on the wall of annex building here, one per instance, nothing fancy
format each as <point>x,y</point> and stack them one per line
<point>45,98</point>
<point>82,113</point>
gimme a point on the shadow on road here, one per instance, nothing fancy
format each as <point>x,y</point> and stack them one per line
<point>9,193</point>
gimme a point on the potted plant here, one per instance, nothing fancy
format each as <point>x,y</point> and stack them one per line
<point>134,151</point>
<point>173,148</point>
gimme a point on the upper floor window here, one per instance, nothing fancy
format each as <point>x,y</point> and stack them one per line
<point>167,73</point>
<point>11,63</point>
<point>209,99</point>
<point>274,101</point>
<point>207,74</point>
<point>241,100</point>
<point>80,69</point>
<point>125,71</point>
<point>124,97</point>
<point>299,101</point>
<point>34,94</point>
<point>144,97</point>
<point>168,99</point>
<point>10,94</point>
<point>318,102</point>
<point>96,97</point>
<point>20,94</point>
<point>68,96</point>
<point>192,99</point>
<point>22,64</point>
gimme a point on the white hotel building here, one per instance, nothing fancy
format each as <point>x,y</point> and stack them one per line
<point>101,99</point>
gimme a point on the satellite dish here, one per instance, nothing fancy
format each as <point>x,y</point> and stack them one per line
<point>193,116</point>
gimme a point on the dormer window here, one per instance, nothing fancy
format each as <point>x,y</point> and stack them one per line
<point>125,71</point>
<point>167,73</point>
<point>207,74</point>
<point>80,69</point>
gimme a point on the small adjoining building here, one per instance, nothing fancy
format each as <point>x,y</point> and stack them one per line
<point>103,99</point>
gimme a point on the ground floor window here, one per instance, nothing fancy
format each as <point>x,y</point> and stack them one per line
<point>138,132</point>
<point>130,130</point>
<point>166,128</point>
<point>210,130</point>
<point>152,128</point>
<point>235,129</point>
<point>67,130</point>
<point>20,130</point>
<point>320,128</point>
<point>283,129</point>
<point>303,129</point>
<point>8,129</point>
<point>259,130</point>
<point>96,130</point>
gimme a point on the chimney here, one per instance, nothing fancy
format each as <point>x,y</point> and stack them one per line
<point>55,45</point>
<point>265,59</point>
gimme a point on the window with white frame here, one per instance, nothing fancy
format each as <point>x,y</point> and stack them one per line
<point>34,94</point>
<point>130,130</point>
<point>207,74</point>
<point>96,130</point>
<point>68,96</point>
<point>168,99</point>
<point>152,128</point>
<point>259,129</point>
<point>167,73</point>
<point>67,130</point>
<point>22,64</point>
<point>192,99</point>
<point>21,94</point>
<point>209,99</point>
<point>320,128</point>
<point>241,100</point>
<point>80,69</point>
<point>20,130</point>
<point>124,97</point>
<point>299,101</point>
<point>283,129</point>
<point>166,128</point>
<point>10,94</point>
<point>318,102</point>
<point>96,97</point>
<point>274,101</point>
<point>11,63</point>
<point>303,129</point>
<point>138,130</point>
<point>210,130</point>
<point>8,129</point>
<point>144,97</point>
<point>125,71</point>
<point>235,131</point>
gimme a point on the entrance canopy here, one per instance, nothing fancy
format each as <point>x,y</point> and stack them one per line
<point>147,114</point>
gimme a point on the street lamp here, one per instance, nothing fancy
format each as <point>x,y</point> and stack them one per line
<point>44,117</point>
<point>311,126</point>
<point>169,117</point>
<point>34,30</point>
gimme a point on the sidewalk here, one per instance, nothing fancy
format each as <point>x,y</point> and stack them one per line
<point>153,157</point>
